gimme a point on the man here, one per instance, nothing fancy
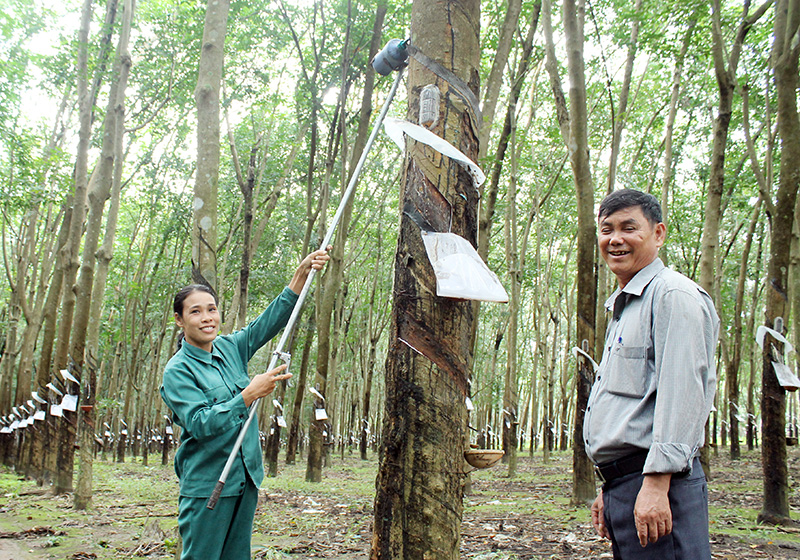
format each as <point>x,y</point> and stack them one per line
<point>646,414</point>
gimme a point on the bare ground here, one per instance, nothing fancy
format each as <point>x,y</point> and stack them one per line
<point>524,518</point>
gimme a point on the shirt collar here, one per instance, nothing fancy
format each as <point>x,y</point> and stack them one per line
<point>198,353</point>
<point>638,283</point>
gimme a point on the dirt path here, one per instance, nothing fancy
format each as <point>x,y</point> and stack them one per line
<point>11,550</point>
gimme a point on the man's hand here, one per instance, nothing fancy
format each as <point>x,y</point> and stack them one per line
<point>652,513</point>
<point>598,520</point>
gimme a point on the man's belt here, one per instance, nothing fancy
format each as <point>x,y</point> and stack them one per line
<point>629,464</point>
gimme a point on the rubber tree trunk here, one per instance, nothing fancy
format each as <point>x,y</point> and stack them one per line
<point>99,192</point>
<point>297,405</point>
<point>725,65</point>
<point>373,334</point>
<point>732,365</point>
<point>418,507</point>
<point>206,94</point>
<point>514,258</point>
<point>666,181</point>
<point>775,508</point>
<point>510,417</point>
<point>66,433</point>
<point>573,15</point>
<point>334,275</point>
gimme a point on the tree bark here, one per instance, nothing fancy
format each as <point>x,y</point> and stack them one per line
<point>666,180</point>
<point>334,274</point>
<point>297,406</point>
<point>66,437</point>
<point>373,334</point>
<point>733,364</point>
<point>247,188</point>
<point>775,508</point>
<point>418,507</point>
<point>583,489</point>
<point>204,222</point>
<point>99,191</point>
<point>514,268</point>
<point>325,300</point>
<point>725,65</point>
<point>489,194</point>
<point>620,116</point>
<point>752,436</point>
<point>495,80</point>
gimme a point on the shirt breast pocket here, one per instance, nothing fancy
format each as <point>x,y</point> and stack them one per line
<point>216,395</point>
<point>626,374</point>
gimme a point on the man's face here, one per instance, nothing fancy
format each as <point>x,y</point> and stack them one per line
<point>629,242</point>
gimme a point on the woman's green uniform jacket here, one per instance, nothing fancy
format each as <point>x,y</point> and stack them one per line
<point>203,391</point>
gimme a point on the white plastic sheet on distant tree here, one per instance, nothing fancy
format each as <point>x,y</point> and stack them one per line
<point>320,414</point>
<point>460,271</point>
<point>70,403</point>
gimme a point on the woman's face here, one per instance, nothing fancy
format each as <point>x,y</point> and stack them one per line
<point>199,320</point>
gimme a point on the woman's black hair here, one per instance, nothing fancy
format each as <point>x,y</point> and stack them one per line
<point>186,291</point>
<point>180,298</point>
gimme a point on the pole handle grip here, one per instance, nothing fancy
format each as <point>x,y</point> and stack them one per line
<point>212,501</point>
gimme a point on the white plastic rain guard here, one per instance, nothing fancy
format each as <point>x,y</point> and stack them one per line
<point>460,271</point>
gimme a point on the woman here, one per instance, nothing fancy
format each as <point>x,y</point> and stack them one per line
<point>208,390</point>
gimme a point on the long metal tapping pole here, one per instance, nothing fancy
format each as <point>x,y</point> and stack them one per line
<point>212,501</point>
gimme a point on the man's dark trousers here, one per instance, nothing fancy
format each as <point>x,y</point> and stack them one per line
<point>688,499</point>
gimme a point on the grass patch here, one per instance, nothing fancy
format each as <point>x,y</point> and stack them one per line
<point>135,508</point>
<point>131,505</point>
<point>743,523</point>
<point>10,484</point>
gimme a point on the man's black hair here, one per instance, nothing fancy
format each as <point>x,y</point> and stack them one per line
<point>626,198</point>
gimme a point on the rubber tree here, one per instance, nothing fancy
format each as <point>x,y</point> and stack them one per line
<point>785,52</point>
<point>725,65</point>
<point>66,437</point>
<point>99,192</point>
<point>620,116</point>
<point>573,122</point>
<point>514,259</point>
<point>206,94</point>
<point>420,484</point>
<point>334,275</point>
